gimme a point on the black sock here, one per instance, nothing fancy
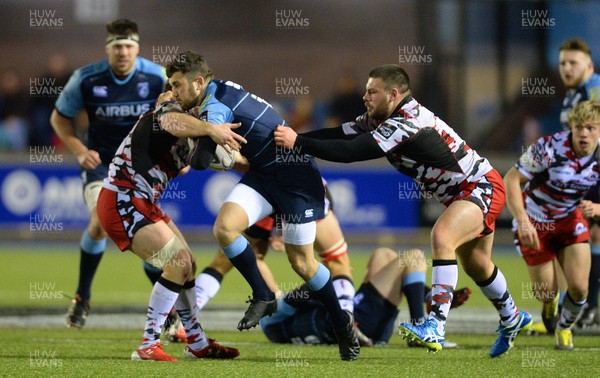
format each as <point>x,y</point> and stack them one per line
<point>426,293</point>
<point>245,263</point>
<point>88,264</point>
<point>328,297</point>
<point>414,297</point>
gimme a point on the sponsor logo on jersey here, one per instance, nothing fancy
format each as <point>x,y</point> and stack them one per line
<point>143,89</point>
<point>130,110</point>
<point>386,130</point>
<point>100,91</point>
<point>308,213</point>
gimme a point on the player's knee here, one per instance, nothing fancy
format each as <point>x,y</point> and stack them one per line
<point>225,233</point>
<point>578,292</point>
<point>439,239</point>
<point>95,229</point>
<point>182,263</point>
<point>384,253</point>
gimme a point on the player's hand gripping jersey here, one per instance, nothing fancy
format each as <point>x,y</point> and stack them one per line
<point>558,179</point>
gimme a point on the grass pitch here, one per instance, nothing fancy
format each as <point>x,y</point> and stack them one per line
<point>100,353</point>
<point>42,277</point>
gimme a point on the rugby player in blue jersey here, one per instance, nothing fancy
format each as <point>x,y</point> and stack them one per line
<point>114,92</point>
<point>279,181</point>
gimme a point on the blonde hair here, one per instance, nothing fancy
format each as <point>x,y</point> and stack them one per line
<point>585,111</point>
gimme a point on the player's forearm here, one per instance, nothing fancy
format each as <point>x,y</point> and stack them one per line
<point>184,125</point>
<point>328,133</point>
<point>514,197</point>
<point>361,148</point>
<point>66,132</point>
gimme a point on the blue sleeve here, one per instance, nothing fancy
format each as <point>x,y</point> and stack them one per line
<point>593,88</point>
<point>70,101</point>
<point>215,112</point>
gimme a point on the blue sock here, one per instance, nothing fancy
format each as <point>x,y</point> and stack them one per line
<point>90,256</point>
<point>594,281</point>
<point>242,256</point>
<point>323,289</point>
<point>413,284</point>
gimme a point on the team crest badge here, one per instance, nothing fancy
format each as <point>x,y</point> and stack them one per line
<point>143,89</point>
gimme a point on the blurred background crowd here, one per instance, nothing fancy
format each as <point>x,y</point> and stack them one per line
<point>474,63</point>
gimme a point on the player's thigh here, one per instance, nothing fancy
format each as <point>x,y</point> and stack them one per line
<point>150,239</point>
<point>379,258</point>
<point>90,194</point>
<point>576,260</point>
<point>388,280</point>
<point>461,222</point>
<point>178,233</point>
<point>328,232</point>
<point>244,206</point>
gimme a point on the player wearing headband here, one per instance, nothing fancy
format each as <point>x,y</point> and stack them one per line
<point>113,92</point>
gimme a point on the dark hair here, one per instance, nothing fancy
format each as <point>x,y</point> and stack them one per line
<point>122,26</point>
<point>392,75</point>
<point>189,64</point>
<point>577,44</point>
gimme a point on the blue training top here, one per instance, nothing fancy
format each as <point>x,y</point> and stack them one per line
<point>113,105</point>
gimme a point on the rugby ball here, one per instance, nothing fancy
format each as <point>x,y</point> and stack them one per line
<point>223,160</point>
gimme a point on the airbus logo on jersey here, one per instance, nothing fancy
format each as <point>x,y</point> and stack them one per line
<point>122,110</point>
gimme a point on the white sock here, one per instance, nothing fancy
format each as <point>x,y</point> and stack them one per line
<point>497,292</point>
<point>159,306</point>
<point>443,283</point>
<point>188,313</point>
<point>207,287</point>
<point>570,312</point>
<point>344,290</point>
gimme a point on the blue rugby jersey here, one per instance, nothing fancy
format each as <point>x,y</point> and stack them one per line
<point>113,105</point>
<point>588,90</point>
<point>226,101</point>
